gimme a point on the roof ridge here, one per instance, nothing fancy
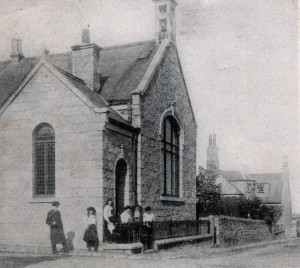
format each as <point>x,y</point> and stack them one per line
<point>128,44</point>
<point>231,170</point>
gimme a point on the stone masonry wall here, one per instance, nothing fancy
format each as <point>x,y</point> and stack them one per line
<point>167,86</point>
<point>237,231</point>
<point>78,159</point>
<point>112,153</point>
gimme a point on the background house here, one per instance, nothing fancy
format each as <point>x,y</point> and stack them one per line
<point>272,188</point>
<point>91,124</point>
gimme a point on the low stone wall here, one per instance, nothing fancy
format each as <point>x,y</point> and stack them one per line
<point>232,231</point>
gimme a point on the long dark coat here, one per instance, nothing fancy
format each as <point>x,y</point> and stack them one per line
<point>57,235</point>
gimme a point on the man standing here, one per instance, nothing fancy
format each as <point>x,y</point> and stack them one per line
<point>148,219</point>
<point>57,235</point>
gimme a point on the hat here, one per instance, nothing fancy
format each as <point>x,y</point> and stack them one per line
<point>55,203</point>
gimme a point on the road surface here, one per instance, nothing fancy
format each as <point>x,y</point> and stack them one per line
<point>275,255</point>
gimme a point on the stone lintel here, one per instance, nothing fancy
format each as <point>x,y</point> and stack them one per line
<point>172,199</point>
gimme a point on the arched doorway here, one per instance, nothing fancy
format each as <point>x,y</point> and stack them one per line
<point>121,172</point>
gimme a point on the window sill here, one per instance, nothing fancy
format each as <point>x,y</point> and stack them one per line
<point>171,199</point>
<point>48,199</point>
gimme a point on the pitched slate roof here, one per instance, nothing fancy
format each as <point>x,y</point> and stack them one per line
<point>3,65</point>
<point>12,75</point>
<point>227,187</point>
<point>123,65</point>
<point>62,61</point>
<point>124,68</point>
<point>275,180</point>
<point>95,98</point>
<point>276,186</point>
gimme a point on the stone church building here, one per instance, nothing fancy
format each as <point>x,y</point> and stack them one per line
<point>91,124</point>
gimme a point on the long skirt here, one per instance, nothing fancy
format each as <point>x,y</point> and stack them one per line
<point>91,236</point>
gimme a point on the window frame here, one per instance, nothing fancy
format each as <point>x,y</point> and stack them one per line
<point>172,149</point>
<point>260,188</point>
<point>47,144</point>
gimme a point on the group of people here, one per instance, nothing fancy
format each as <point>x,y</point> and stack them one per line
<point>112,230</point>
<point>117,230</point>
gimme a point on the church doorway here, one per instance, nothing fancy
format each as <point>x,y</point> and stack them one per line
<point>121,173</point>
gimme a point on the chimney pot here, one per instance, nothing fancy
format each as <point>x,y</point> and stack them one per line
<point>16,54</point>
<point>86,36</point>
<point>212,152</point>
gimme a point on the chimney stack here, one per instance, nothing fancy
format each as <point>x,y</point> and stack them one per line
<point>16,54</point>
<point>212,152</point>
<point>85,61</point>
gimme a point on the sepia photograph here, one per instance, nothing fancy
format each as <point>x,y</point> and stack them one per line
<point>149,133</point>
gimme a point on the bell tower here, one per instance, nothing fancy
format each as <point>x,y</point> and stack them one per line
<point>165,20</point>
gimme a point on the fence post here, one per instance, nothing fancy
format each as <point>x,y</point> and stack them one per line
<point>171,228</point>
<point>208,227</point>
<point>186,228</point>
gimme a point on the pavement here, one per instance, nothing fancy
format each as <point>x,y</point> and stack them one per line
<point>283,253</point>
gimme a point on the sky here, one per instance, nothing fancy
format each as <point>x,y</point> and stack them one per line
<point>239,60</point>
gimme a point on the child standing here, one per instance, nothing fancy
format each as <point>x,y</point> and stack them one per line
<point>91,234</point>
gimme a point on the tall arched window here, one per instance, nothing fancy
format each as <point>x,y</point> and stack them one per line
<point>44,160</point>
<point>170,156</point>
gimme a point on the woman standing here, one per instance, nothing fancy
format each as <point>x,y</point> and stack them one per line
<point>91,234</point>
<point>109,221</point>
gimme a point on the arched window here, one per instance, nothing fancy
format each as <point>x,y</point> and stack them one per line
<point>44,160</point>
<point>170,156</point>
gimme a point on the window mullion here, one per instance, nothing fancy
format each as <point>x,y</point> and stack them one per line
<point>165,159</point>
<point>172,173</point>
<point>46,167</point>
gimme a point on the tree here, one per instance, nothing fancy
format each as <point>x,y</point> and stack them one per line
<point>271,214</point>
<point>208,192</point>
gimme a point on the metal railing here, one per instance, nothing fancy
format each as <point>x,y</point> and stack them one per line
<point>137,232</point>
<point>127,233</point>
